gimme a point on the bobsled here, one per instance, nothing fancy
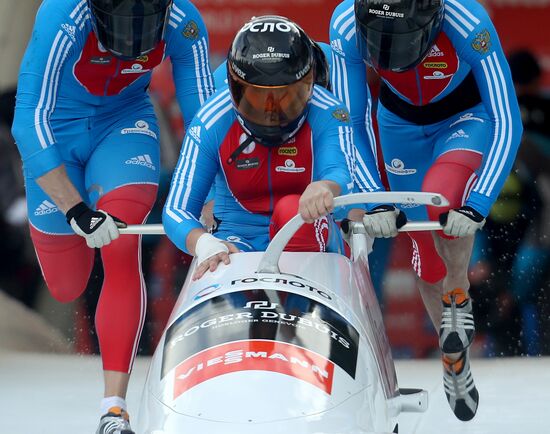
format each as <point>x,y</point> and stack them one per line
<point>281,342</point>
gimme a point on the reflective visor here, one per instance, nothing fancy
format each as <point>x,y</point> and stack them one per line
<point>394,51</point>
<point>271,106</point>
<point>130,36</point>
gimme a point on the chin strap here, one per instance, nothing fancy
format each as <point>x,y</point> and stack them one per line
<point>240,149</point>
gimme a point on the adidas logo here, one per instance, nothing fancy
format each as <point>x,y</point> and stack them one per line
<point>457,135</point>
<point>435,52</point>
<point>46,207</point>
<point>142,160</point>
<point>71,30</point>
<point>94,221</point>
<point>195,132</point>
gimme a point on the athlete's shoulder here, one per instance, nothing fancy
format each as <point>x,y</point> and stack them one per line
<point>342,30</point>
<point>70,8</point>
<point>217,112</point>
<point>69,19</point>
<point>186,19</point>
<point>467,23</point>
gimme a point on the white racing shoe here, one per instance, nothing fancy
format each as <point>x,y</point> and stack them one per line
<point>115,421</point>
<point>457,329</point>
<point>459,386</point>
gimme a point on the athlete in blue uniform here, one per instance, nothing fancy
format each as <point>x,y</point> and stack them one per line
<point>88,138</point>
<point>274,143</point>
<point>449,123</point>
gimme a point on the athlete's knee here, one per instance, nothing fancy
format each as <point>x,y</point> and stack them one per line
<point>426,262</point>
<point>66,263</point>
<point>130,203</point>
<point>452,175</point>
<point>285,208</point>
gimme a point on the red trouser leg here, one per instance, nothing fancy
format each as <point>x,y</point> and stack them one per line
<point>452,175</point>
<point>309,238</point>
<point>66,262</point>
<point>121,309</point>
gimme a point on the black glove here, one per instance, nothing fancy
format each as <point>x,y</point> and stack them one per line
<point>98,227</point>
<point>461,222</point>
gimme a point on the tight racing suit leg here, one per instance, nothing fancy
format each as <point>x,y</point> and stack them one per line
<point>120,176</point>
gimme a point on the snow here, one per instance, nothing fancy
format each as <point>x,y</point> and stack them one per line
<point>57,394</point>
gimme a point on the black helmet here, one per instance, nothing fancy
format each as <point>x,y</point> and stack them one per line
<point>397,34</point>
<point>322,69</point>
<point>270,71</point>
<point>129,28</point>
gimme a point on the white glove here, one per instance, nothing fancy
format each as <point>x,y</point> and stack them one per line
<point>382,221</point>
<point>98,227</point>
<point>461,222</point>
<point>207,246</point>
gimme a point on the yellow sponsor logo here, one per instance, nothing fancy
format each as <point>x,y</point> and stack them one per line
<point>143,59</point>
<point>435,65</point>
<point>289,151</point>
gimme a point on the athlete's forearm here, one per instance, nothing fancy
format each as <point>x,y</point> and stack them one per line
<point>59,188</point>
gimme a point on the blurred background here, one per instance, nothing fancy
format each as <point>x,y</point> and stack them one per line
<point>510,270</point>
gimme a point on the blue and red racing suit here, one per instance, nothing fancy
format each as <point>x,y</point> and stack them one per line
<point>450,125</point>
<point>81,107</point>
<point>253,187</point>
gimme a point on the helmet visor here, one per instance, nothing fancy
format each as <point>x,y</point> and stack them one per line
<point>394,51</point>
<point>270,106</point>
<point>131,29</point>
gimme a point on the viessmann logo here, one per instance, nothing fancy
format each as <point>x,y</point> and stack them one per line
<point>270,316</point>
<point>254,355</point>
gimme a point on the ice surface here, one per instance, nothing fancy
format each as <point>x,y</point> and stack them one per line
<point>58,394</point>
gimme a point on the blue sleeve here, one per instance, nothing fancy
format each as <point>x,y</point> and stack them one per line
<point>471,30</point>
<point>349,84</point>
<point>220,75</point>
<point>54,37</point>
<point>332,140</point>
<point>191,181</point>
<point>187,46</point>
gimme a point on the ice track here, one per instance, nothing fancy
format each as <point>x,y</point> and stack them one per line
<point>59,394</point>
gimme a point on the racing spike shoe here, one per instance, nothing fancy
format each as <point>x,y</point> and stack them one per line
<point>457,323</point>
<point>115,421</point>
<point>459,387</point>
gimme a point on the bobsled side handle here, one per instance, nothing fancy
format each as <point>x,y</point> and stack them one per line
<point>270,259</point>
<point>152,229</point>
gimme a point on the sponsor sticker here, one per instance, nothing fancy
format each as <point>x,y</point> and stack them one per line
<point>386,13</point>
<point>283,280</point>
<point>267,26</point>
<point>435,65</point>
<point>255,355</point>
<point>482,42</point>
<point>142,127</point>
<point>100,60</point>
<point>289,151</point>
<point>208,290</point>
<point>269,315</point>
<point>397,167</point>
<point>467,117</point>
<point>290,167</point>
<point>136,68</point>
<point>248,163</point>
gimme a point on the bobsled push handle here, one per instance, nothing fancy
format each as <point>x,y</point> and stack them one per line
<point>270,259</point>
<point>154,229</point>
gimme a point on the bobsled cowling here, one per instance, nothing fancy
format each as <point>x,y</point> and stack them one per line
<point>300,350</point>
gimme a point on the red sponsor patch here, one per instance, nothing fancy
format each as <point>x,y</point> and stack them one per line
<point>254,355</point>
